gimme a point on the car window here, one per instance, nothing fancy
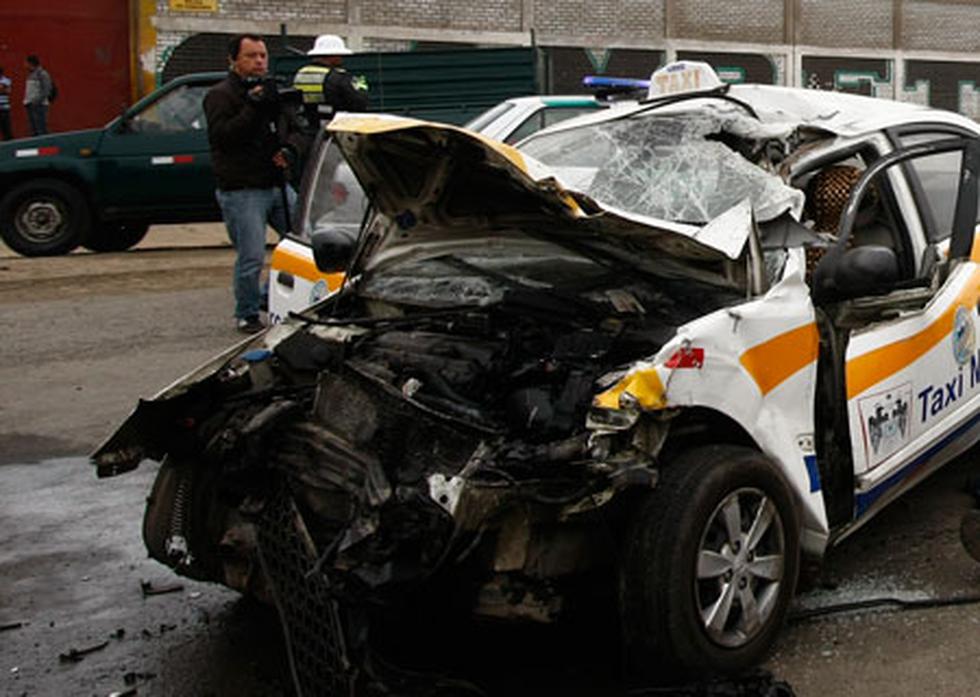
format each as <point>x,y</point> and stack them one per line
<point>337,200</point>
<point>939,179</point>
<point>489,116</point>
<point>544,118</point>
<point>181,109</point>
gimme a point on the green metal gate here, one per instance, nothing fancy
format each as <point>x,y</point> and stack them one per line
<point>450,86</point>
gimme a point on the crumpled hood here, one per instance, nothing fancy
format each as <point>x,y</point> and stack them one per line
<point>441,183</point>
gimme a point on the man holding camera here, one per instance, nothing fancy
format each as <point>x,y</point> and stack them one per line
<point>253,142</point>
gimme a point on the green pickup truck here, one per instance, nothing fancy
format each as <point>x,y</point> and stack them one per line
<point>102,188</point>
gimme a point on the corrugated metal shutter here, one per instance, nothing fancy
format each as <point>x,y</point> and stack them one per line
<point>85,47</point>
<point>449,86</point>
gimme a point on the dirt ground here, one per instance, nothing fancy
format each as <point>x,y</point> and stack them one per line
<point>84,336</point>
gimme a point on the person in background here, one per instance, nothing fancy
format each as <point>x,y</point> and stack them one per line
<point>5,106</point>
<point>37,87</point>
<point>326,86</point>
<point>252,140</point>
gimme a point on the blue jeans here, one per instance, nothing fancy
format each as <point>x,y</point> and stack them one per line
<point>246,213</point>
<point>37,114</point>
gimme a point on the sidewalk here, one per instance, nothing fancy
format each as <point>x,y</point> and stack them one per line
<point>179,235</point>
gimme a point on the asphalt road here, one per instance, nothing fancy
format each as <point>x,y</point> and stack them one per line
<point>85,336</point>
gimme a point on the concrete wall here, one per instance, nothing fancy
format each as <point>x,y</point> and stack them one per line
<point>924,51</point>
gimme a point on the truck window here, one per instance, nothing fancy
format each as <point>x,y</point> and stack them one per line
<point>181,109</point>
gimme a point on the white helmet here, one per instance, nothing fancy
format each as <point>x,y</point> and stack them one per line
<point>329,45</point>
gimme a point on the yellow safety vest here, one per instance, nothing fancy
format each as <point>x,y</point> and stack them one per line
<point>309,80</point>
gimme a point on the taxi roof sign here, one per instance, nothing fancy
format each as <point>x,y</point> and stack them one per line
<point>683,77</point>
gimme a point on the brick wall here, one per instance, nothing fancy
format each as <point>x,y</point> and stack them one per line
<point>937,25</point>
<point>945,26</point>
<point>757,21</point>
<point>630,37</point>
<point>602,19</point>
<point>488,15</point>
<point>846,23</point>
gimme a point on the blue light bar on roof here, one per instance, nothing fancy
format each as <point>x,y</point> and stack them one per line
<point>631,83</point>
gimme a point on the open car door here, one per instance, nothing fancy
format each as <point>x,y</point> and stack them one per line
<point>911,371</point>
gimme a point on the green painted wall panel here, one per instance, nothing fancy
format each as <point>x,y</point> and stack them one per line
<point>451,86</point>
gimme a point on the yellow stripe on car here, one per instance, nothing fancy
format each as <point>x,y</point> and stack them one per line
<point>283,260</point>
<point>879,364</point>
<point>773,361</point>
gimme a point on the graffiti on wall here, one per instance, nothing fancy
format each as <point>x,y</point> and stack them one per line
<point>951,85</point>
<point>871,77</point>
<point>944,84</point>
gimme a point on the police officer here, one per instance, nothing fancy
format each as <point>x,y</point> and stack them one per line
<point>327,88</point>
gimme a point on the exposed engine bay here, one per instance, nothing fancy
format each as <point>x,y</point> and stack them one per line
<point>391,445</point>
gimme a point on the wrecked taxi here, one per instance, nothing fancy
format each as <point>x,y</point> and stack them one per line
<point>668,349</point>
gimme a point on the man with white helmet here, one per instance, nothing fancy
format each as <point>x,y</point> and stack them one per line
<point>327,88</point>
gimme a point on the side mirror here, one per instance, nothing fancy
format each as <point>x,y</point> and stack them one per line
<point>332,249</point>
<point>866,270</point>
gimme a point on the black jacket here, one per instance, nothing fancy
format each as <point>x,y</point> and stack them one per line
<point>244,136</point>
<point>340,93</point>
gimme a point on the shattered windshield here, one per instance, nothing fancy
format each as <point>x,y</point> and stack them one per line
<point>677,167</point>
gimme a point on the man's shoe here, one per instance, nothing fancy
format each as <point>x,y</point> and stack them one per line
<point>250,325</point>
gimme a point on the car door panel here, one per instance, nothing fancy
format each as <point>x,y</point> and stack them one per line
<point>913,376</point>
<point>157,163</point>
<point>906,379</point>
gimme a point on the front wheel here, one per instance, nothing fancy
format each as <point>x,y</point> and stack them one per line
<point>116,237</point>
<point>710,565</point>
<point>44,217</point>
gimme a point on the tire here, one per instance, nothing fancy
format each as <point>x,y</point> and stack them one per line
<point>182,504</point>
<point>116,237</point>
<point>44,217</point>
<point>666,608</point>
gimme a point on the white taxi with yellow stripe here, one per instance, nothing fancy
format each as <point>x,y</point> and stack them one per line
<point>682,343</point>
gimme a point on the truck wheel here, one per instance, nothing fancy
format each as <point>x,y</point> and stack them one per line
<point>44,217</point>
<point>116,237</point>
<point>710,565</point>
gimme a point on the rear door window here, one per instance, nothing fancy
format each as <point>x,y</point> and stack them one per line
<point>544,118</point>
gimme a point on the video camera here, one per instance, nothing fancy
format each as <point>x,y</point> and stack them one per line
<point>273,94</point>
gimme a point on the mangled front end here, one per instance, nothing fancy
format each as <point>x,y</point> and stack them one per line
<point>455,426</point>
<point>337,466</point>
